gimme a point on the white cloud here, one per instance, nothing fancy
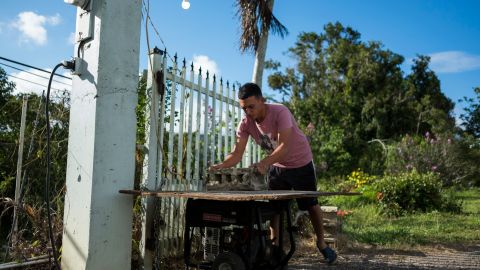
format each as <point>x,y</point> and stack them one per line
<point>453,62</point>
<point>207,64</point>
<point>54,20</point>
<point>29,83</point>
<point>32,26</point>
<point>71,39</point>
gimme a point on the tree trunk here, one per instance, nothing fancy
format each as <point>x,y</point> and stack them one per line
<point>260,54</point>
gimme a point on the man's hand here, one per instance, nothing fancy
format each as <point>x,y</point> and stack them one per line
<point>216,167</point>
<point>261,167</point>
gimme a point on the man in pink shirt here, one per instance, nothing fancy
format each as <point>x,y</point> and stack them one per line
<point>289,162</point>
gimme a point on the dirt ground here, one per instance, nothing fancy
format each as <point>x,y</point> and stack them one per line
<point>357,256</point>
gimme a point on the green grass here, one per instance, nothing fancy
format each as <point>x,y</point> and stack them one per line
<point>368,225</point>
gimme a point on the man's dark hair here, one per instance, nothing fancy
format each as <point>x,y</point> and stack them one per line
<point>249,89</point>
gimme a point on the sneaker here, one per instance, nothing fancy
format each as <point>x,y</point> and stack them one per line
<point>329,254</point>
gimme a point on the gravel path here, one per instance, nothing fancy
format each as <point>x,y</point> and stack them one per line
<point>464,258</point>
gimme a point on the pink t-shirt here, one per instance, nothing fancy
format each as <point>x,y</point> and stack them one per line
<point>265,134</point>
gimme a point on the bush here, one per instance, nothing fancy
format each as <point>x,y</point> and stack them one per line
<point>449,157</point>
<point>356,181</point>
<point>413,191</point>
<point>359,178</point>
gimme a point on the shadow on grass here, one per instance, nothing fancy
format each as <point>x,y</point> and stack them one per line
<point>380,236</point>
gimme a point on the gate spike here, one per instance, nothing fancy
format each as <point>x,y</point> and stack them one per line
<point>184,62</point>
<point>191,66</point>
<point>175,57</point>
<point>221,81</point>
<point>228,84</point>
<point>213,77</point>
<point>207,73</point>
<point>157,50</point>
<point>200,71</point>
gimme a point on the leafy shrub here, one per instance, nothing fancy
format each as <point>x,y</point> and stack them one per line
<point>356,181</point>
<point>448,157</point>
<point>413,191</point>
<point>331,154</point>
<point>359,178</point>
<point>368,197</point>
<point>372,157</point>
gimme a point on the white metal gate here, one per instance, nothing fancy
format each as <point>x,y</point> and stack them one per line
<point>192,125</point>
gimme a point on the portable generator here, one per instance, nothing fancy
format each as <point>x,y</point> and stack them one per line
<point>235,235</point>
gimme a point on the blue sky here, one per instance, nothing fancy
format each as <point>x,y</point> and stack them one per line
<point>40,33</point>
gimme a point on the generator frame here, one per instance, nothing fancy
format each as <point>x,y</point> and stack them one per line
<point>256,207</point>
<point>251,215</point>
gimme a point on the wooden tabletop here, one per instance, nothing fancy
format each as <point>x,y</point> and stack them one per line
<point>237,195</point>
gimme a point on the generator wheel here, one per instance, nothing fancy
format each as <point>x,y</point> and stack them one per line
<point>228,261</point>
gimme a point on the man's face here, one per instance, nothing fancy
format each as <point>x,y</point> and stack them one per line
<point>253,107</point>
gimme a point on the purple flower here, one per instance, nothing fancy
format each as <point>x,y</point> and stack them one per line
<point>449,141</point>
<point>427,134</point>
<point>434,168</point>
<point>409,166</point>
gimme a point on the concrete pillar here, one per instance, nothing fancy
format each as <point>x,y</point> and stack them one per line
<point>101,149</point>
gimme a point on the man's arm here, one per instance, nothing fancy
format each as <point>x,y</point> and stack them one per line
<point>234,157</point>
<point>280,152</point>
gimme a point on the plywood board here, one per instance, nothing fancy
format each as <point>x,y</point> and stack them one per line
<point>237,195</point>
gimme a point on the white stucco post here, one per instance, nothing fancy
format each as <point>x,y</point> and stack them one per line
<point>101,149</point>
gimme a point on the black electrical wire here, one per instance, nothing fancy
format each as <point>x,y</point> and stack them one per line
<point>80,46</point>
<point>29,66</point>
<point>47,179</point>
<point>31,73</point>
<point>39,84</point>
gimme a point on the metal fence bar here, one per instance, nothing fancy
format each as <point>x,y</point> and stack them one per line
<point>149,168</point>
<point>180,179</point>
<point>238,117</point>
<point>188,176</point>
<point>227,121</point>
<point>259,152</point>
<point>161,127</point>
<point>196,176</point>
<point>205,128</point>
<point>220,123</point>
<point>181,124</point>
<point>234,120</point>
<point>170,176</point>
<point>171,133</point>
<point>213,122</point>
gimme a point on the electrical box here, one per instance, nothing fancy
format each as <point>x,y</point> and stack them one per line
<point>83,4</point>
<point>84,25</point>
<point>84,19</point>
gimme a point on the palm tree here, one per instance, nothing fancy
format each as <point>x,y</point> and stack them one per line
<point>257,20</point>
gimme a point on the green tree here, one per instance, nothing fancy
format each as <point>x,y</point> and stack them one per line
<point>354,92</point>
<point>471,117</point>
<point>345,87</point>
<point>7,139</point>
<point>433,110</point>
<point>6,88</point>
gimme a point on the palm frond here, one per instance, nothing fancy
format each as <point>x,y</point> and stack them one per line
<point>256,16</point>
